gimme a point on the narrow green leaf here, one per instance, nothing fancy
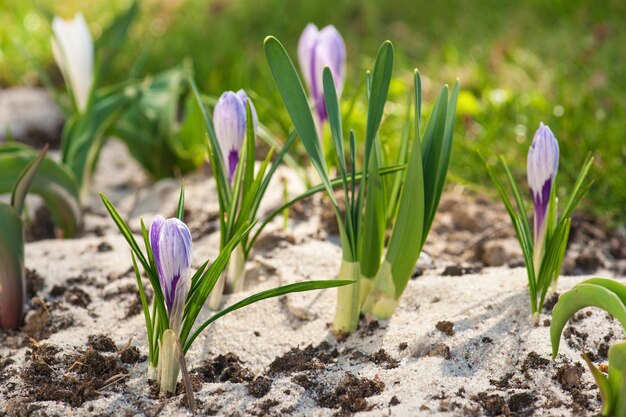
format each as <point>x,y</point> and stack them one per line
<point>180,211</point>
<point>274,292</point>
<point>603,385</point>
<point>294,97</point>
<point>407,237</point>
<point>25,180</point>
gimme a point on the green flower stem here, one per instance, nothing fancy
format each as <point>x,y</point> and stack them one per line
<point>12,290</point>
<point>348,297</point>
<point>169,365</point>
<point>236,271</point>
<point>382,301</point>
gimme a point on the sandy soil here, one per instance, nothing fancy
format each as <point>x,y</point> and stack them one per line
<point>460,343</point>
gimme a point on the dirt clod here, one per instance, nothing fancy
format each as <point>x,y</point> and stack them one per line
<point>224,368</point>
<point>259,387</point>
<point>101,343</point>
<point>307,359</point>
<point>130,355</point>
<point>350,393</point>
<point>569,376</point>
<point>446,327</point>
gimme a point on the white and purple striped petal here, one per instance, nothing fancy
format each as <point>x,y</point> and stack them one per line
<point>170,242</point>
<point>318,49</point>
<point>229,117</point>
<point>542,167</point>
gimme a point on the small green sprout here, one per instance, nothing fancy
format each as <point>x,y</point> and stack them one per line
<point>610,296</point>
<point>544,246</point>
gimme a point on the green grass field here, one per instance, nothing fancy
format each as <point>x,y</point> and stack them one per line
<point>562,62</point>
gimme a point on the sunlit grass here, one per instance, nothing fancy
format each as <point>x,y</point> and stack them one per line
<point>520,63</point>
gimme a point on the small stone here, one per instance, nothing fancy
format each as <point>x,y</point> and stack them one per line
<point>446,327</point>
<point>501,252</point>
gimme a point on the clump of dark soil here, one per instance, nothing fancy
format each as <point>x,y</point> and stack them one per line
<point>493,404</point>
<point>350,393</point>
<point>381,358</point>
<point>434,349</point>
<point>72,379</point>
<point>77,297</point>
<point>130,355</point>
<point>534,361</point>
<point>308,359</point>
<point>569,376</point>
<point>446,327</point>
<point>259,387</point>
<point>223,368</point>
<point>101,343</point>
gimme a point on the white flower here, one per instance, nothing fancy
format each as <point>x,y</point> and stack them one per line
<point>72,47</point>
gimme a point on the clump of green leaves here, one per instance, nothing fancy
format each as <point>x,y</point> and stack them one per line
<point>407,202</point>
<point>610,296</point>
<point>239,188</point>
<point>169,339</point>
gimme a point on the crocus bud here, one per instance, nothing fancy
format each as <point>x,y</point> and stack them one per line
<point>542,166</point>
<point>229,118</point>
<point>170,242</point>
<point>318,49</point>
<point>72,47</point>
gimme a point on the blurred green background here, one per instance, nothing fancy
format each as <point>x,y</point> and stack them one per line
<point>562,62</point>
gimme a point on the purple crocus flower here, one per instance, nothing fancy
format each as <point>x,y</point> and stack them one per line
<point>542,166</point>
<point>170,241</point>
<point>318,49</point>
<point>229,117</point>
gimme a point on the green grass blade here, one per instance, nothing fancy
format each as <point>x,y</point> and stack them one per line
<point>249,144</point>
<point>180,211</point>
<point>580,189</point>
<point>521,206</point>
<point>274,292</point>
<point>617,380</point>
<point>581,296</point>
<point>145,307</point>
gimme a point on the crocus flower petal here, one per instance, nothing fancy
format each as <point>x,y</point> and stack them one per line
<point>73,50</point>
<point>178,304</point>
<point>305,46</point>
<point>542,167</point>
<point>243,96</point>
<point>230,127</point>
<point>317,50</point>
<point>170,241</point>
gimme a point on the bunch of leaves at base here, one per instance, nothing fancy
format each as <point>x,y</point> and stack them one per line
<point>406,201</point>
<point>54,183</point>
<point>610,296</point>
<point>231,148</point>
<point>179,293</point>
<point>90,108</point>
<point>543,247</point>
<point>12,285</point>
